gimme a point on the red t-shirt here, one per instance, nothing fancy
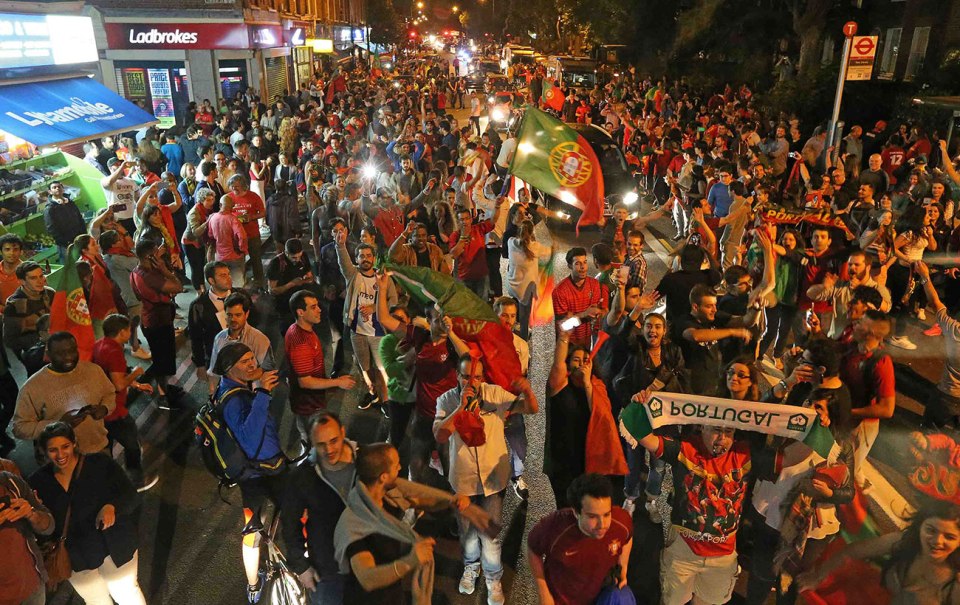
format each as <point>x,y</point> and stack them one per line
<point>305,355</point>
<point>245,205</point>
<point>568,298</point>
<point>576,565</point>
<point>435,369</point>
<point>389,222</point>
<point>472,264</point>
<point>853,372</point>
<point>108,354</point>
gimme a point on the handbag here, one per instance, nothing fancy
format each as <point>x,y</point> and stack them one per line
<point>56,559</point>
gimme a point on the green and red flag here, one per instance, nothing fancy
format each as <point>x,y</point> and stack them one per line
<point>554,158</point>
<point>69,311</point>
<point>552,96</point>
<point>541,313</point>
<point>473,319</point>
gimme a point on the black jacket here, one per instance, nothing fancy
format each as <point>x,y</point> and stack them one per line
<point>307,491</point>
<point>100,482</point>
<point>203,325</point>
<point>64,222</point>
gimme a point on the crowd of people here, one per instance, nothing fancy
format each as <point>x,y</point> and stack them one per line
<point>362,169</point>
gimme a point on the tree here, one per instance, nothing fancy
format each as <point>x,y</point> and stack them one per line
<point>384,22</point>
<point>809,20</point>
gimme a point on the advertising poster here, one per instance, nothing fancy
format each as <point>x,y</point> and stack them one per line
<point>161,96</point>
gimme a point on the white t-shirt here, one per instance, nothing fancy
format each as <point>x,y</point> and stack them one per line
<point>123,192</point>
<point>366,296</point>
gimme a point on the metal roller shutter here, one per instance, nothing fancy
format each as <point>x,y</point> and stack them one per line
<point>275,69</point>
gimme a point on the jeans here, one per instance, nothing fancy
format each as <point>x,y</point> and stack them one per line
<point>109,583</point>
<point>124,431</point>
<point>680,217</point>
<point>515,433</point>
<point>255,249</point>
<point>479,549</point>
<point>329,590</point>
<point>399,419</point>
<point>493,268</point>
<point>765,541</point>
<point>779,320</point>
<point>477,286</point>
<point>196,259</point>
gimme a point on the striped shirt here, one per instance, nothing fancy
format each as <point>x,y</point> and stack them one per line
<point>305,356</point>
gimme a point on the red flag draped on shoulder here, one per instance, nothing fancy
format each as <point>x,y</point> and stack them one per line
<point>554,158</point>
<point>473,319</point>
<point>69,311</point>
<point>552,95</point>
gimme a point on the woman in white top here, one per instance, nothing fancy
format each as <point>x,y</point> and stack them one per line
<point>523,272</point>
<point>913,235</point>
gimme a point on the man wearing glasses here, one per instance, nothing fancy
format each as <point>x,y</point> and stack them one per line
<point>719,196</point>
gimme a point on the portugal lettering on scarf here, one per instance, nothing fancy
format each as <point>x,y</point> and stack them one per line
<point>666,409</point>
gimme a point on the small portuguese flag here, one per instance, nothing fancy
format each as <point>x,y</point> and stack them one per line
<point>552,95</point>
<point>69,311</point>
<point>554,158</point>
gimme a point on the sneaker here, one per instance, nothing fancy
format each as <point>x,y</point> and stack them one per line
<point>174,392</point>
<point>494,592</point>
<point>255,591</point>
<point>164,403</point>
<point>520,488</point>
<point>921,315</point>
<point>629,505</point>
<point>468,581</point>
<point>385,411</point>
<point>143,354</point>
<point>653,511</point>
<point>367,401</point>
<point>903,342</point>
<point>933,330</point>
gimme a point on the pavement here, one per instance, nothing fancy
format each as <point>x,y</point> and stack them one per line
<point>190,533</point>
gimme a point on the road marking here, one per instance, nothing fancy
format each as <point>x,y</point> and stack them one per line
<point>183,366</point>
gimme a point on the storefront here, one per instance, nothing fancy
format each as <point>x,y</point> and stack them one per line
<point>267,40</point>
<point>161,87</point>
<point>301,53</point>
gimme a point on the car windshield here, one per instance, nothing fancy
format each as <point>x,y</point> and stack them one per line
<point>578,79</point>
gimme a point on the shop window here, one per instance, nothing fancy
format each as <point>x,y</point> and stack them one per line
<point>918,51</point>
<point>891,50</point>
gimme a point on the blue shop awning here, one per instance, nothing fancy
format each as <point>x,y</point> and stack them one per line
<point>57,112</point>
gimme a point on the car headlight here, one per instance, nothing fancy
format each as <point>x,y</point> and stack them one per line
<point>497,115</point>
<point>630,198</point>
<point>490,100</point>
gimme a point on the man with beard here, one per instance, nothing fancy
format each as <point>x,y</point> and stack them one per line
<point>839,292</point>
<point>69,390</point>
<point>360,313</point>
<point>237,312</point>
<point>573,551</point>
<point>414,248</point>
<point>580,297</point>
<point>710,476</point>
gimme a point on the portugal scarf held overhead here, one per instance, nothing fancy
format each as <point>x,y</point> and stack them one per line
<point>69,311</point>
<point>663,409</point>
<point>554,158</point>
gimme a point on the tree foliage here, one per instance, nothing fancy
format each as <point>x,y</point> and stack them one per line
<point>384,22</point>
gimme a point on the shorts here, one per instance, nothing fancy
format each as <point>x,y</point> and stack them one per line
<point>684,574</point>
<point>255,492</point>
<point>367,351</point>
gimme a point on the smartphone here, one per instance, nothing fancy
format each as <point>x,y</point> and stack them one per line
<point>569,324</point>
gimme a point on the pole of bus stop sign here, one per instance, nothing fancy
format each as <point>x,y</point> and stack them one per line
<point>849,31</point>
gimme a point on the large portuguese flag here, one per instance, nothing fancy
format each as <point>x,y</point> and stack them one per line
<point>473,319</point>
<point>554,158</point>
<point>69,311</point>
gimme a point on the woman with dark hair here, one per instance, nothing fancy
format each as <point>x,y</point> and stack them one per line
<point>741,380</point>
<point>921,562</point>
<point>523,271</point>
<point>914,236</point>
<point>101,531</point>
<point>154,228</point>
<point>779,318</point>
<point>441,224</point>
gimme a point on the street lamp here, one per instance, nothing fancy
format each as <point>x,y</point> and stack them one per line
<point>419,4</point>
<point>456,8</point>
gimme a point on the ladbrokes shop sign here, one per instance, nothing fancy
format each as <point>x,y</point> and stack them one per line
<point>191,36</point>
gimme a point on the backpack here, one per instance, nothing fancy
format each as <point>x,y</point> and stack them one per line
<point>221,452</point>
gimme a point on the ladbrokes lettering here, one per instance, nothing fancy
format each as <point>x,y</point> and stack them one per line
<point>704,412</point>
<point>155,36</point>
<point>77,110</point>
